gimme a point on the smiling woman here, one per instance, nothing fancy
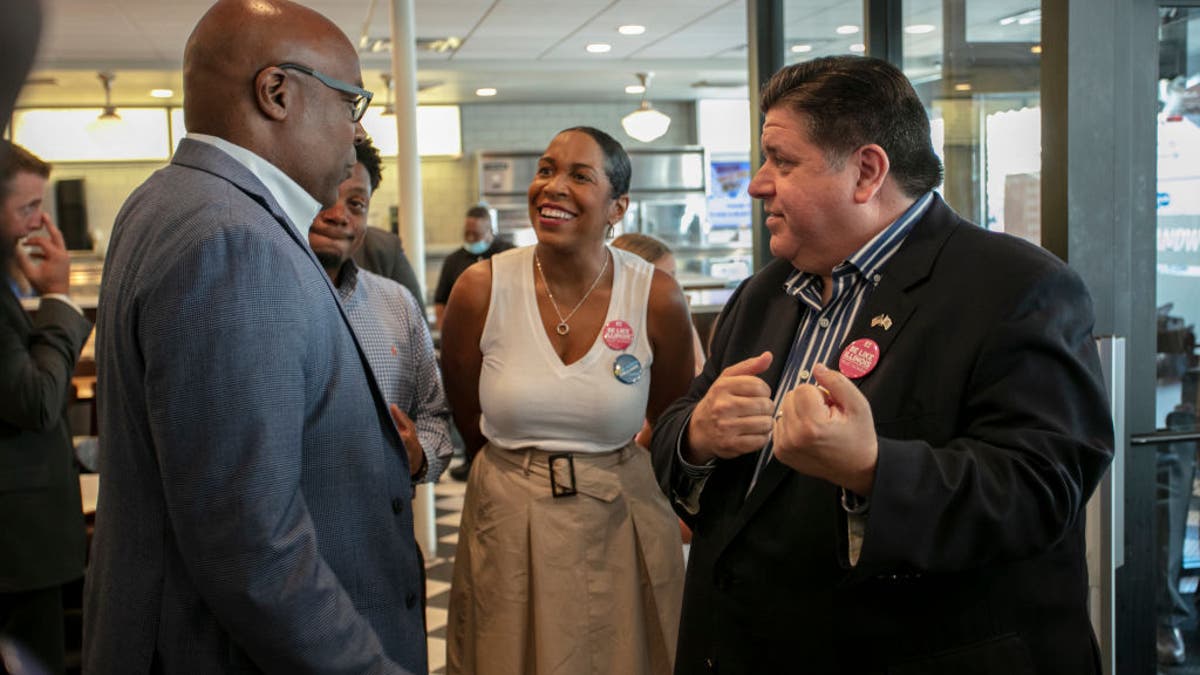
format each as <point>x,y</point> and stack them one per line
<point>553,356</point>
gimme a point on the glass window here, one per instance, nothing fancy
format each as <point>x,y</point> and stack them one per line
<point>976,65</point>
<point>1178,264</point>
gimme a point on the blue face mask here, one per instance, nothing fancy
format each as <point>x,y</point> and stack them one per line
<point>476,247</point>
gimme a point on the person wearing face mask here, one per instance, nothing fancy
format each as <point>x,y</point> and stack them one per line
<point>479,243</point>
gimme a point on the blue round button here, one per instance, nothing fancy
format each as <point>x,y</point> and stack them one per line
<point>627,368</point>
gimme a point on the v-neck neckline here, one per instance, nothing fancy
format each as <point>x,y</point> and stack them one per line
<point>544,345</point>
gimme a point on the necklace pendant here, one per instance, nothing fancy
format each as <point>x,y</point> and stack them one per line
<point>562,328</point>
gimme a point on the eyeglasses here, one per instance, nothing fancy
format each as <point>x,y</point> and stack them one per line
<point>362,97</point>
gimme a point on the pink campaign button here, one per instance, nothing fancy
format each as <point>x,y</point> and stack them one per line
<point>618,335</point>
<point>859,358</point>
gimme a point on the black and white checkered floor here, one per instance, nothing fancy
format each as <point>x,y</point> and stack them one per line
<point>448,502</point>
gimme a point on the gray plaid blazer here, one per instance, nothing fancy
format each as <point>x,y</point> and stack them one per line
<point>254,501</point>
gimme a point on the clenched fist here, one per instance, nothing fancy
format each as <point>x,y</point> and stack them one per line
<point>828,431</point>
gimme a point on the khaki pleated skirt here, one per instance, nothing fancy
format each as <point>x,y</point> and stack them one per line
<point>589,584</point>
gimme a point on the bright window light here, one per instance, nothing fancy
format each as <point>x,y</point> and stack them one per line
<point>439,131</point>
<point>74,135</point>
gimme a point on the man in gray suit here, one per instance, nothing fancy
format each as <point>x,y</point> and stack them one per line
<point>253,511</point>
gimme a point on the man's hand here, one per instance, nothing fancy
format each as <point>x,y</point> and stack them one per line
<point>827,431</point>
<point>53,273</point>
<point>734,417</point>
<point>408,433</point>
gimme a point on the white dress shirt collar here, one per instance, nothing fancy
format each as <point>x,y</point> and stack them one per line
<point>299,206</point>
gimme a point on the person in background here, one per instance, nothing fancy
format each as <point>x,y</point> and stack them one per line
<point>382,253</point>
<point>657,253</point>
<point>569,559</point>
<point>387,320</point>
<point>254,509</point>
<point>479,243</point>
<point>887,459</point>
<point>41,515</point>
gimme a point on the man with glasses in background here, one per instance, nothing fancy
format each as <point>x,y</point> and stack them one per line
<point>254,492</point>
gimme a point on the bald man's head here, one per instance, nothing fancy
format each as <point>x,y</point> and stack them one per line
<point>234,88</point>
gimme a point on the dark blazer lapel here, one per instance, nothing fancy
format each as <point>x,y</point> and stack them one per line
<point>889,305</point>
<point>782,316</point>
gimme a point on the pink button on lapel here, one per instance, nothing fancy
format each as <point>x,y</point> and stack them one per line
<point>859,358</point>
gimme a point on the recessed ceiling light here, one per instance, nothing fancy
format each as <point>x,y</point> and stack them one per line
<point>847,30</point>
<point>635,89</point>
<point>858,48</point>
<point>801,49</point>
<point>485,91</point>
<point>631,29</point>
<point>920,28</point>
<point>162,93</point>
<point>1024,18</point>
<point>599,47</point>
<point>962,86</point>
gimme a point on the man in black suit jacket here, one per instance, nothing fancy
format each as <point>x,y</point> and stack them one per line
<point>930,402</point>
<point>41,519</point>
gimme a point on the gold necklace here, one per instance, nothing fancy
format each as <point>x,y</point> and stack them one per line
<point>562,328</point>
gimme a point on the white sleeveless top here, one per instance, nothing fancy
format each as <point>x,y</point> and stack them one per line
<point>528,397</point>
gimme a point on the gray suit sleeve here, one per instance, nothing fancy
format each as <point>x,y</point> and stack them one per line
<point>225,337</point>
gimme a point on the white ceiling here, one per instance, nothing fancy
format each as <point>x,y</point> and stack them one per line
<point>530,50</point>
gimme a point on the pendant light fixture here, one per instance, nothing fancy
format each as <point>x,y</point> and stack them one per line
<point>109,113</point>
<point>389,108</point>
<point>645,124</point>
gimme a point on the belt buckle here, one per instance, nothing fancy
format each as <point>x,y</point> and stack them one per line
<point>556,489</point>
